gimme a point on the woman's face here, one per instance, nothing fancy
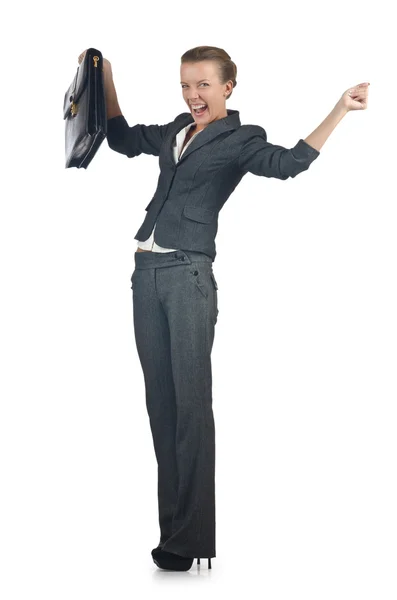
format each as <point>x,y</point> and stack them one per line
<point>200,85</point>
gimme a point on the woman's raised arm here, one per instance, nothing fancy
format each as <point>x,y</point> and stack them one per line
<point>112,105</point>
<point>130,141</point>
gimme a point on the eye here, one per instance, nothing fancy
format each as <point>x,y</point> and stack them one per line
<point>203,83</point>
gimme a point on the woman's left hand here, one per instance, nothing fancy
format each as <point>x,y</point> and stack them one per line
<point>355,98</point>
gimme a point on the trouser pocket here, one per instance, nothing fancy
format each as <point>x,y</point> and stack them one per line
<point>216,295</point>
<point>214,280</point>
<point>205,281</point>
<point>201,287</point>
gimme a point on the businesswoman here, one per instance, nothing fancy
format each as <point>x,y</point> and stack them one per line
<point>203,155</point>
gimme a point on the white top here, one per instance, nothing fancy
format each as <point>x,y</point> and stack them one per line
<point>150,244</point>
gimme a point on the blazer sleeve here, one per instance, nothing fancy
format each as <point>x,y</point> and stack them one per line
<point>132,141</point>
<point>260,157</point>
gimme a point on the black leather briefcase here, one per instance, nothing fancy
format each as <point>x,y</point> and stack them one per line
<point>84,111</point>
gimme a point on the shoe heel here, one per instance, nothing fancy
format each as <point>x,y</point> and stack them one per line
<point>209,563</point>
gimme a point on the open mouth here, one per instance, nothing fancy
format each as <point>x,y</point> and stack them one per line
<point>199,111</point>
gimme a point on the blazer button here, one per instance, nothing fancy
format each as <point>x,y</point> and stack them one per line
<point>195,272</point>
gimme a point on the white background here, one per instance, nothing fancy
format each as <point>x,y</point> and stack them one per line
<point>304,358</point>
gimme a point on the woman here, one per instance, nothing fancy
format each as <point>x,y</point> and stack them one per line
<point>203,155</point>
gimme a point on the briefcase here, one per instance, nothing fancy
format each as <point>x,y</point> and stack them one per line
<point>84,112</point>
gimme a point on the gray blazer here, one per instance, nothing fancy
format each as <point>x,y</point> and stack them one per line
<point>190,193</point>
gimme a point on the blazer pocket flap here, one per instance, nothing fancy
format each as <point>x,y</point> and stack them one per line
<point>199,213</point>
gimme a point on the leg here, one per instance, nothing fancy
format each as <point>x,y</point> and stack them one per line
<point>153,345</point>
<point>189,298</point>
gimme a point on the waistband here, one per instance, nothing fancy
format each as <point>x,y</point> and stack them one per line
<point>151,260</point>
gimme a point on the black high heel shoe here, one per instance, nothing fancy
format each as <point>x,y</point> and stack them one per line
<point>171,561</point>
<point>209,563</point>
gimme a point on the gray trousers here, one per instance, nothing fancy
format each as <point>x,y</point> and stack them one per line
<point>175,306</point>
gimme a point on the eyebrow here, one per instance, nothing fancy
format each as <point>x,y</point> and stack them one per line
<point>198,81</point>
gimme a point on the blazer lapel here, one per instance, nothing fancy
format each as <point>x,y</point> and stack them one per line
<point>232,121</point>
